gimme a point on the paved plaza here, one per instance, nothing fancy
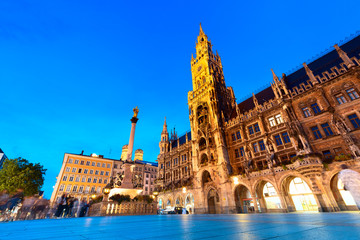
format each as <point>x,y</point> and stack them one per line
<point>257,226</point>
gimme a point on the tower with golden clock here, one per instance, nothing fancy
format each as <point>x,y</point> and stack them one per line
<point>210,105</point>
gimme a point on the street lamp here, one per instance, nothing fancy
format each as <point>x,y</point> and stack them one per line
<point>106,192</point>
<point>184,190</point>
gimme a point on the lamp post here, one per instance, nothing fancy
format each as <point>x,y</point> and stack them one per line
<point>106,192</point>
<point>155,194</point>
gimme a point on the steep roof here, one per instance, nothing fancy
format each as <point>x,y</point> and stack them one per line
<point>324,63</point>
<point>318,66</point>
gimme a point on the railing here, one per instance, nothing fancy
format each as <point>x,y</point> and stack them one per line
<point>112,208</point>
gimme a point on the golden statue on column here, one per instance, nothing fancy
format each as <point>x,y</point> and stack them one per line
<point>136,111</point>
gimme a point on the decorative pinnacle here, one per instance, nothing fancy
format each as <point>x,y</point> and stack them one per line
<point>344,56</point>
<point>310,74</point>
<point>276,79</point>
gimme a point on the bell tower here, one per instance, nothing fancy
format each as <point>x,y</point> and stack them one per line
<point>210,105</point>
<point>164,142</point>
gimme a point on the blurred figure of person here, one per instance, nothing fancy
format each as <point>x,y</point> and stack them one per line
<point>61,206</point>
<point>83,207</point>
<point>75,209</point>
<point>70,205</point>
<point>351,181</point>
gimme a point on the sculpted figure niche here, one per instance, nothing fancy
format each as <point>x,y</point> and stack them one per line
<point>202,115</point>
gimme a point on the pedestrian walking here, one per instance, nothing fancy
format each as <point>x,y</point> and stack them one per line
<point>61,206</point>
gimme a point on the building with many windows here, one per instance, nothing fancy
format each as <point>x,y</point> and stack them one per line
<point>278,151</point>
<point>84,176</point>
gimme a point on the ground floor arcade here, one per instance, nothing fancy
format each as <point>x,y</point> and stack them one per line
<point>288,191</point>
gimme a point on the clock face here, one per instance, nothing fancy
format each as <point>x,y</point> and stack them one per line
<point>199,68</point>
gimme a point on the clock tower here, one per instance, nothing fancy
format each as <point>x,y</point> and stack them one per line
<point>210,105</point>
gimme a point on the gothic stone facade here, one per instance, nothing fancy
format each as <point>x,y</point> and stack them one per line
<point>292,136</point>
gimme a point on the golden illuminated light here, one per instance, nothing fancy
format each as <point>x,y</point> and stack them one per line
<point>184,189</point>
<point>236,180</point>
<point>156,193</point>
<point>93,196</point>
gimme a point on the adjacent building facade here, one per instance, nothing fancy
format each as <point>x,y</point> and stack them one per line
<point>85,176</point>
<point>278,151</point>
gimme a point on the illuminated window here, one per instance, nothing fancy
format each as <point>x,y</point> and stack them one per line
<point>68,188</point>
<point>87,189</point>
<point>77,179</point>
<point>271,198</point>
<point>92,190</point>
<point>83,179</point>
<point>279,119</point>
<point>272,122</point>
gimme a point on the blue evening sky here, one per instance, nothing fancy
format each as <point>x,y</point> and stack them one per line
<point>72,71</point>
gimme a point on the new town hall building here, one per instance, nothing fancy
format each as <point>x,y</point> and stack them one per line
<point>278,151</point>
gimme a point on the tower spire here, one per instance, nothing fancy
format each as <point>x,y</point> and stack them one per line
<point>164,127</point>
<point>201,31</point>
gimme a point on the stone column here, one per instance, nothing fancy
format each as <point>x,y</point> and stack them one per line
<point>132,136</point>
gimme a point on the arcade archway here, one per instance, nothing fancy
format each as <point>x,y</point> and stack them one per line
<point>268,197</point>
<point>189,203</point>
<point>342,196</point>
<point>244,201</point>
<point>301,195</point>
